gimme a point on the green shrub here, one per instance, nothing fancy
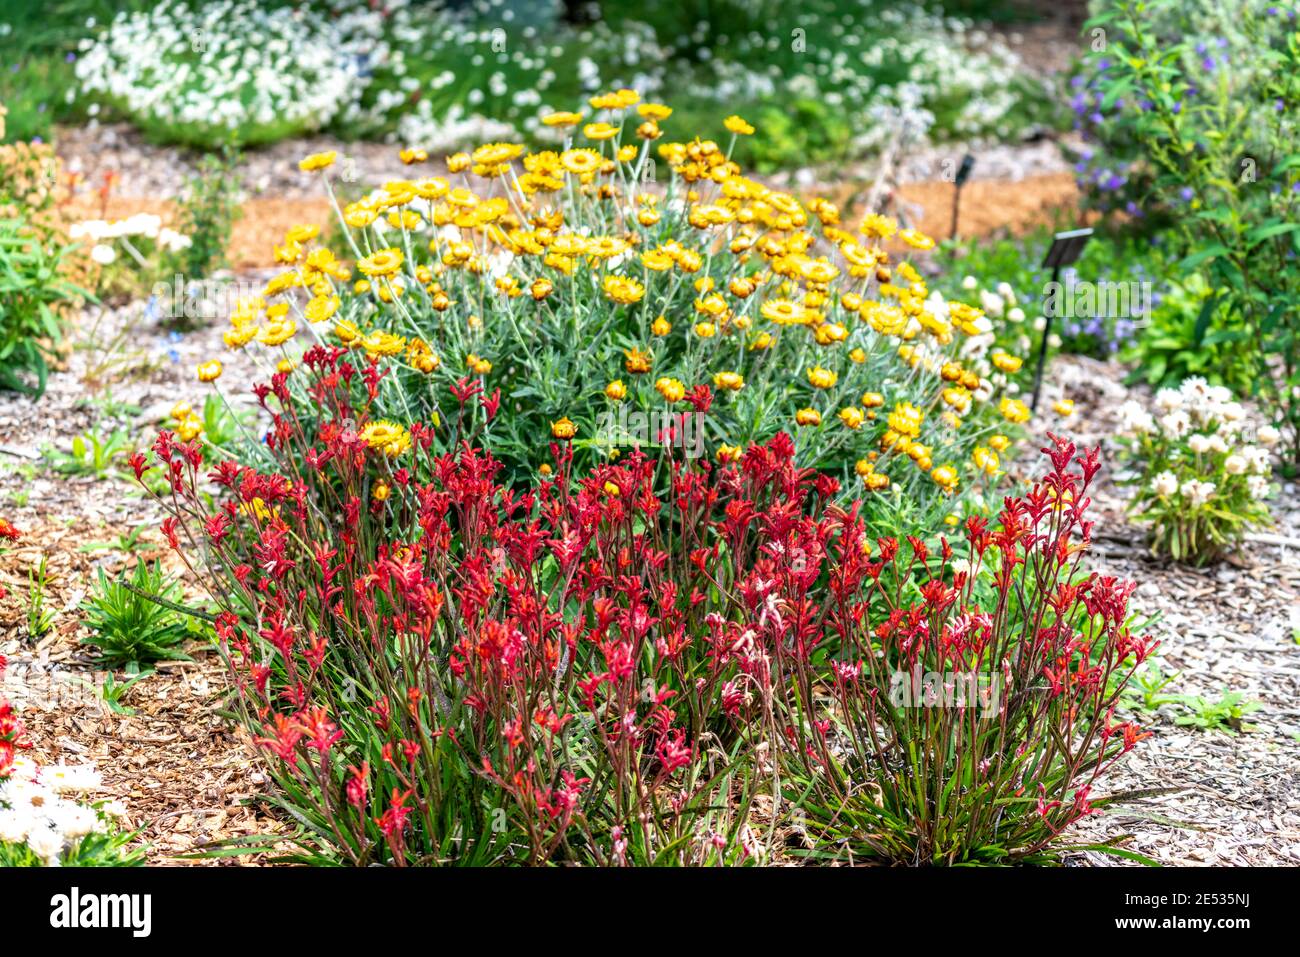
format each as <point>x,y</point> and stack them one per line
<point>32,285</point>
<point>129,628</point>
<point>1192,334</point>
<point>1204,118</point>
<point>1200,473</point>
<point>209,207</point>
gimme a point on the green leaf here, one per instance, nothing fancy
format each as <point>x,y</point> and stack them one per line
<point>1260,233</point>
<point>1203,319</point>
<point>1204,255</point>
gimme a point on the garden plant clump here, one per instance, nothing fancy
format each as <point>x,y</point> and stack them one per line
<point>599,668</point>
<point>218,73</point>
<point>569,297</point>
<point>40,274</point>
<point>1202,471</point>
<point>970,693</point>
<point>1203,126</point>
<point>441,77</point>
<point>39,824</point>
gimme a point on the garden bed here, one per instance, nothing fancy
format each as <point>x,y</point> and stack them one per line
<point>398,468</point>
<point>189,778</point>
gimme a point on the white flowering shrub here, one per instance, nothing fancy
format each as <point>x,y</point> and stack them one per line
<point>824,79</point>
<point>829,79</point>
<point>443,79</point>
<point>127,250</point>
<point>40,825</point>
<point>204,74</point>
<point>1201,472</point>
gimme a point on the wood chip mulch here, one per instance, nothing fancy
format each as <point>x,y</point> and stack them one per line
<point>1229,798</point>
<point>183,774</point>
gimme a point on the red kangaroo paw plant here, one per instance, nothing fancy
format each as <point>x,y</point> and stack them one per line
<point>963,709</point>
<point>438,668</point>
<point>609,668</point>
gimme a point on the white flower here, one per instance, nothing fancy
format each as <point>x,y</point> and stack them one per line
<point>173,241</point>
<point>13,827</point>
<point>1235,465</point>
<point>95,229</point>
<point>1232,412</point>
<point>1218,394</point>
<point>1197,493</point>
<point>1268,436</point>
<point>1175,424</point>
<point>1218,444</point>
<point>1257,458</point>
<point>1257,486</point>
<point>102,254</point>
<point>1165,484</point>
<point>1135,420</point>
<point>970,283</point>
<point>1016,315</point>
<point>1169,399</point>
<point>1198,443</point>
<point>24,769</point>
<point>47,844</point>
<point>991,303</point>
<point>64,777</point>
